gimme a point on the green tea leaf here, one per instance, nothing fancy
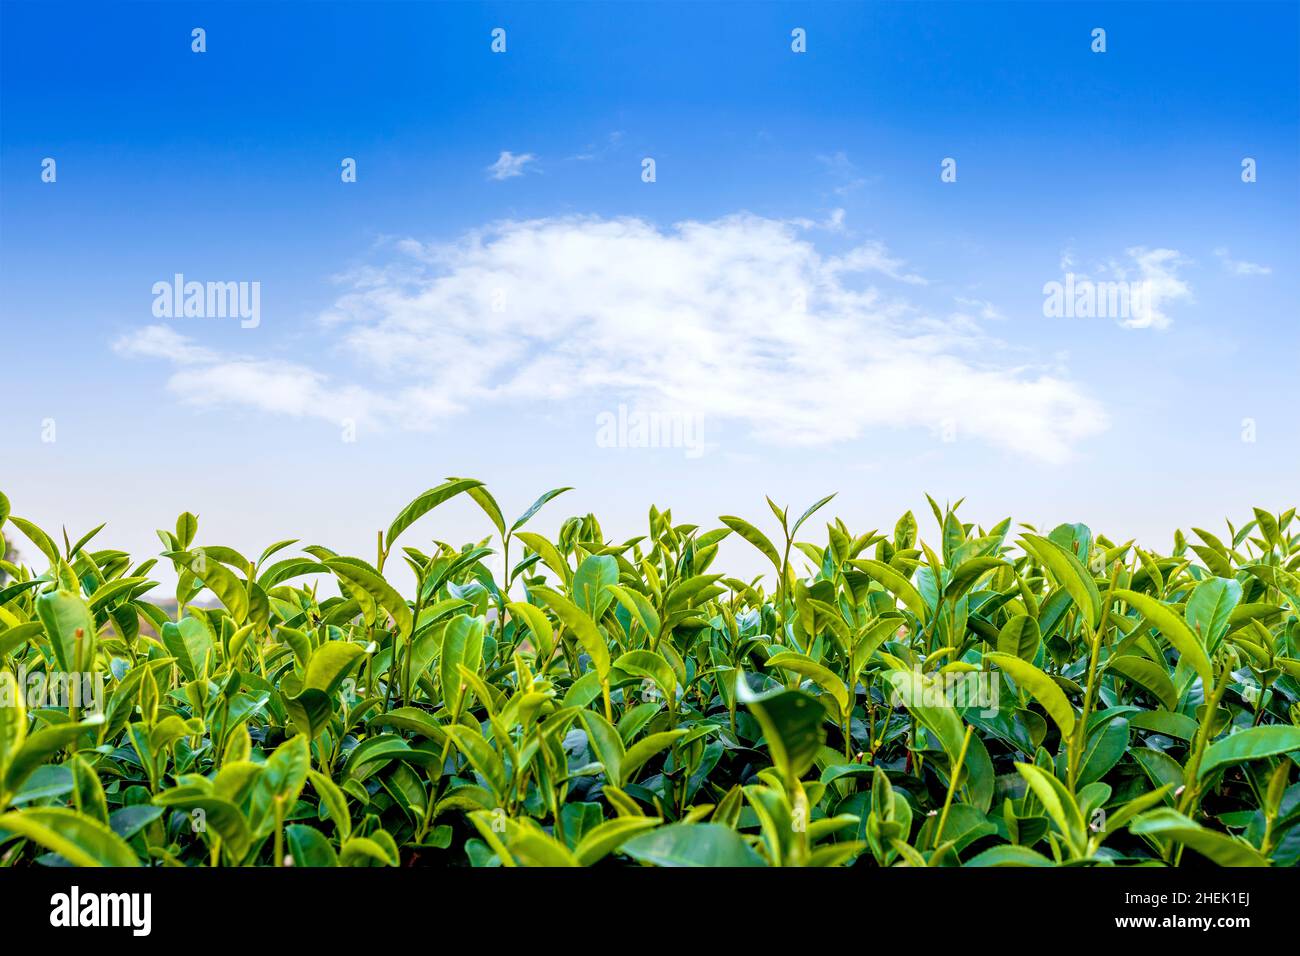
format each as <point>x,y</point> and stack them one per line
<point>1175,631</point>
<point>692,844</point>
<point>1066,569</point>
<point>426,503</point>
<point>582,627</point>
<point>1043,688</point>
<point>80,840</point>
<point>604,839</point>
<point>1020,637</point>
<point>1250,744</point>
<point>754,537</point>
<point>793,725</point>
<point>70,627</point>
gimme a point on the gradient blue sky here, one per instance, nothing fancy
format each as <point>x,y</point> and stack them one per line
<point>225,166</point>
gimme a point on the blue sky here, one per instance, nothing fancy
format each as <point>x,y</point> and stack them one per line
<point>778,176</point>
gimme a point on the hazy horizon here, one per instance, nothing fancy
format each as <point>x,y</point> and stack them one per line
<point>803,293</point>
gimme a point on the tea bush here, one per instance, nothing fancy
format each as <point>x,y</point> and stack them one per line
<point>998,698</point>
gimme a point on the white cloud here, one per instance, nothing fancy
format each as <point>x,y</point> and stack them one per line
<point>1153,274</point>
<point>1157,270</point>
<point>509,165</point>
<point>162,341</point>
<point>872,257</point>
<point>592,152</point>
<point>705,317</point>
<point>1240,267</point>
<point>205,377</point>
<point>985,309</point>
<point>843,170</point>
<point>740,320</point>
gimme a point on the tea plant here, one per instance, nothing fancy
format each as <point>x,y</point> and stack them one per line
<point>999,698</point>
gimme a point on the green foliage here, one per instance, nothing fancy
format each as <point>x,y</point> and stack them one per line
<point>875,701</point>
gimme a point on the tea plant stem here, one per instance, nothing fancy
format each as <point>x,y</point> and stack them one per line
<point>1079,742</point>
<point>913,756</point>
<point>218,754</point>
<point>388,674</point>
<point>1079,737</point>
<point>410,643</point>
<point>1192,786</point>
<point>952,786</point>
<point>503,596</point>
<point>871,718</point>
<point>559,826</point>
<point>279,831</point>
